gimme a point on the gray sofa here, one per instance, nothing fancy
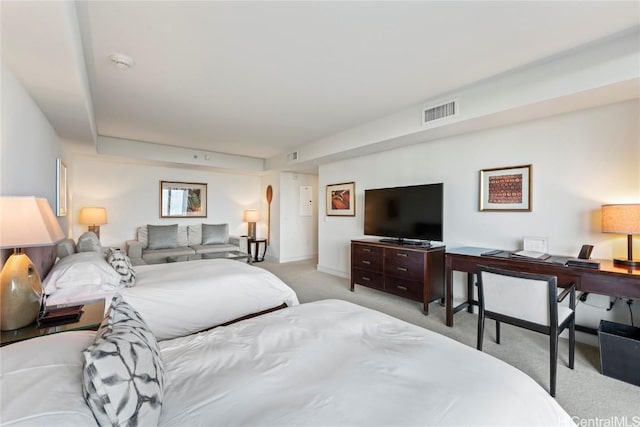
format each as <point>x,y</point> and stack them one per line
<point>165,243</point>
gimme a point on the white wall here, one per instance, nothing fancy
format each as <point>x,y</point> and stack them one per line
<point>129,190</point>
<point>298,233</point>
<point>580,161</point>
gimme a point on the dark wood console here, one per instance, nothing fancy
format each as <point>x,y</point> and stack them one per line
<point>412,272</point>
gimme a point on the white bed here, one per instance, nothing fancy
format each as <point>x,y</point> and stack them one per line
<point>175,299</point>
<point>327,363</point>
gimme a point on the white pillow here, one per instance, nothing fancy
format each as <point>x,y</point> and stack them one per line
<point>81,269</point>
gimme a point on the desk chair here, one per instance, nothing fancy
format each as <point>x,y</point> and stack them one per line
<point>529,301</point>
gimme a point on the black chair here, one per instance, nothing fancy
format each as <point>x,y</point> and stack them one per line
<point>529,301</point>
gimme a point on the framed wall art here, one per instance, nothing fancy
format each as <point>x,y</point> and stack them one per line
<point>183,199</point>
<point>341,199</point>
<point>506,189</point>
<point>61,188</point>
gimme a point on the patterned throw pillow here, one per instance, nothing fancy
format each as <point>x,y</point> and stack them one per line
<point>122,264</point>
<point>123,377</point>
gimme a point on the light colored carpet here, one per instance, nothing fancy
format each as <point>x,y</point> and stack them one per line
<point>590,397</point>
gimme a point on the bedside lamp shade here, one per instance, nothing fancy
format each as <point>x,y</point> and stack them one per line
<point>24,222</point>
<point>622,219</point>
<point>251,216</point>
<point>94,218</point>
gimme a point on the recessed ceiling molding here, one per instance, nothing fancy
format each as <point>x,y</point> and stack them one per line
<point>166,153</point>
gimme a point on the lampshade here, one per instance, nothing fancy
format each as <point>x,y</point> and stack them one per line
<point>93,216</point>
<point>27,222</point>
<point>621,219</point>
<point>251,215</point>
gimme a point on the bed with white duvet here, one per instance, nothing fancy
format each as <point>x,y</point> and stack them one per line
<point>326,363</point>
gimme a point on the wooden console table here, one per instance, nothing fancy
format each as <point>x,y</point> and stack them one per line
<point>607,280</point>
<point>412,272</point>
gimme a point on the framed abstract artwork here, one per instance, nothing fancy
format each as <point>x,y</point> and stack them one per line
<point>341,200</point>
<point>61,188</point>
<point>506,189</point>
<point>183,199</point>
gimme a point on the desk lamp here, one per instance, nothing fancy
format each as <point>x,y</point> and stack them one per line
<point>251,216</point>
<point>623,219</point>
<point>94,218</point>
<point>24,222</point>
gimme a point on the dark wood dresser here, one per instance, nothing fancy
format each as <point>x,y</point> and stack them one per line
<point>412,272</point>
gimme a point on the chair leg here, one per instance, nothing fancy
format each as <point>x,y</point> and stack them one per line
<point>497,332</point>
<point>480,332</point>
<point>572,342</point>
<point>553,362</point>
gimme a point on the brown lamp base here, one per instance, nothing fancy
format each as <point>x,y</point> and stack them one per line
<point>626,263</point>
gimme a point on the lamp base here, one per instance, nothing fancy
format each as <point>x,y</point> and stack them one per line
<point>627,263</point>
<point>95,229</point>
<point>19,292</point>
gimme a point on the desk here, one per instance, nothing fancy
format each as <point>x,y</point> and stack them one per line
<point>607,280</point>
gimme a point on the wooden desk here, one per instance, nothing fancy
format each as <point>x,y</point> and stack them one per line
<point>607,280</point>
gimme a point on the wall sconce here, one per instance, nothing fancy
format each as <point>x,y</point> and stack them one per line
<point>24,222</point>
<point>94,218</point>
<point>623,219</point>
<point>251,216</point>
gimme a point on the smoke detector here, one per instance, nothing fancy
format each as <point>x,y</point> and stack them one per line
<point>121,60</point>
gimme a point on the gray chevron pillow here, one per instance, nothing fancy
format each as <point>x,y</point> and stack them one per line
<point>122,264</point>
<point>123,378</point>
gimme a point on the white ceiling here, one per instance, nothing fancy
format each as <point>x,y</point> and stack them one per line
<point>259,78</point>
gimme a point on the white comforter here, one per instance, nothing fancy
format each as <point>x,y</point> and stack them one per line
<point>327,363</point>
<point>178,299</point>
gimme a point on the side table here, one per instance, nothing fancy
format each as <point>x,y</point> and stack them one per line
<point>90,319</point>
<point>256,243</point>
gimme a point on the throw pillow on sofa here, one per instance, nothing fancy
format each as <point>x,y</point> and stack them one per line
<point>214,234</point>
<point>163,236</point>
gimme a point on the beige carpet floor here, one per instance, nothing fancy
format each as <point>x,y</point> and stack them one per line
<point>590,397</point>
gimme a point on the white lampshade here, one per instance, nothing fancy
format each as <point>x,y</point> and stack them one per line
<point>251,215</point>
<point>93,216</point>
<point>27,222</point>
<point>621,219</point>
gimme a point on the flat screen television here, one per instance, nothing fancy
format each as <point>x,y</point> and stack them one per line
<point>405,215</point>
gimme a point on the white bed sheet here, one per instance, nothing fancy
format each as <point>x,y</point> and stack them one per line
<point>181,298</point>
<point>333,363</point>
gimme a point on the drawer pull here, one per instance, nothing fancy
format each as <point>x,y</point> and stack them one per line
<point>402,288</point>
<point>402,255</point>
<point>402,269</point>
<point>366,262</point>
<point>366,250</point>
<point>366,279</point>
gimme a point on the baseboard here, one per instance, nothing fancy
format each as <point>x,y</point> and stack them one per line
<point>297,258</point>
<point>332,271</point>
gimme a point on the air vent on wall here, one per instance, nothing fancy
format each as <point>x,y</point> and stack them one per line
<point>440,111</point>
<point>292,157</point>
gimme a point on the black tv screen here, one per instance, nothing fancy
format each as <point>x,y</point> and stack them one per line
<point>412,212</point>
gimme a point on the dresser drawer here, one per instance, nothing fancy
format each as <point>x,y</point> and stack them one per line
<point>408,265</point>
<point>367,257</point>
<point>404,288</point>
<point>367,278</point>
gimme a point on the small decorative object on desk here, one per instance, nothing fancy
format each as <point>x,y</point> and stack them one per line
<point>60,315</point>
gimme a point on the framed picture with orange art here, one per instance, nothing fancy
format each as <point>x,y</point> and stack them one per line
<point>506,189</point>
<point>341,199</point>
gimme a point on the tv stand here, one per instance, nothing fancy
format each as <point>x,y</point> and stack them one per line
<point>403,242</point>
<point>410,271</point>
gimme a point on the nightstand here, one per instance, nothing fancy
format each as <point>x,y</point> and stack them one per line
<point>256,242</point>
<point>90,319</point>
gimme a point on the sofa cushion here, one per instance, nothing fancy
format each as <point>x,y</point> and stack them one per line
<point>143,236</point>
<point>195,234</point>
<point>163,236</point>
<point>215,234</point>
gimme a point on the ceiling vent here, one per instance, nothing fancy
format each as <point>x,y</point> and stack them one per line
<point>292,157</point>
<point>440,111</point>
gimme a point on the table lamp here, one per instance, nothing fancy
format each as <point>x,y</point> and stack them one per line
<point>94,218</point>
<point>623,219</point>
<point>251,216</point>
<point>24,222</point>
